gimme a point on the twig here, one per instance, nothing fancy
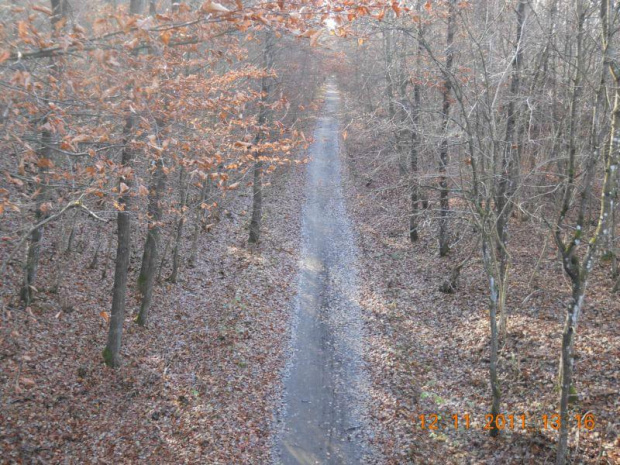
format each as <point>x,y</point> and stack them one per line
<point>73,204</point>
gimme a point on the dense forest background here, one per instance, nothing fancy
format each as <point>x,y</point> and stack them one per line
<point>153,164</point>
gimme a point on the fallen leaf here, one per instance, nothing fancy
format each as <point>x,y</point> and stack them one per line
<point>27,382</point>
<point>213,7</point>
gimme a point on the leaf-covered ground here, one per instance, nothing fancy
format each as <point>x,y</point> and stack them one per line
<point>428,351</point>
<point>198,386</point>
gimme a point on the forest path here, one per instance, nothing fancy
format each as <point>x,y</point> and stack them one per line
<point>323,411</point>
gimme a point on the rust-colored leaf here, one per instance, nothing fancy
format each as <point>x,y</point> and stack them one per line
<point>165,37</point>
<point>42,9</point>
<point>27,382</point>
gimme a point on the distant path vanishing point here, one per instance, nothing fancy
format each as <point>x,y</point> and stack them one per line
<point>324,389</point>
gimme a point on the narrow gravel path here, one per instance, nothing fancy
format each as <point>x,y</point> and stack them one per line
<point>322,417</point>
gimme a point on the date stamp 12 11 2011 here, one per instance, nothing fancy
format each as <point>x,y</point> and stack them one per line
<point>552,421</point>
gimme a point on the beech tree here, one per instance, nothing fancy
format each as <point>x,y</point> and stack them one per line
<point>105,137</point>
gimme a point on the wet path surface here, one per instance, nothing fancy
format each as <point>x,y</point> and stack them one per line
<point>324,385</point>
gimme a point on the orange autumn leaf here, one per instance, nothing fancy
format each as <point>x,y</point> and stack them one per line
<point>315,38</point>
<point>42,9</point>
<point>396,8</point>
<point>165,37</point>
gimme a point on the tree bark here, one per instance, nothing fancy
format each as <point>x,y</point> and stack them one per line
<point>257,202</point>
<point>176,252</point>
<point>415,142</point>
<point>263,115</point>
<point>34,245</point>
<point>198,223</point>
<point>111,353</point>
<point>146,279</point>
<point>490,264</point>
<point>509,163</point>
<point>579,271</point>
<point>444,200</point>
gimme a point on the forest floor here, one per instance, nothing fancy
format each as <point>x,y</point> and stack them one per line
<point>428,352</point>
<point>199,385</point>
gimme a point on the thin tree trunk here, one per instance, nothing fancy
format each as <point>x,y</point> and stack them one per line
<point>69,247</point>
<point>146,278</point>
<point>95,260</point>
<point>415,141</point>
<point>257,188</point>
<point>257,202</point>
<point>576,270</point>
<point>176,252</point>
<point>198,223</point>
<point>490,263</point>
<point>111,353</point>
<point>32,261</point>
<point>403,133</point>
<point>507,182</point>
<point>388,46</point>
<point>59,10</point>
<point>163,260</point>
<point>34,246</point>
<point>444,200</point>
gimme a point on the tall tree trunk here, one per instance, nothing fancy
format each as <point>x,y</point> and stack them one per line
<point>390,73</point>
<point>176,252</point>
<point>415,142</point>
<point>146,279</point>
<point>34,245</point>
<point>444,200</point>
<point>509,163</point>
<point>257,188</point>
<point>403,132</point>
<point>490,264</point>
<point>111,353</point>
<point>579,271</point>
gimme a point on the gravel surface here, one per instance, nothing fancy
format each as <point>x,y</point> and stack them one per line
<point>323,417</point>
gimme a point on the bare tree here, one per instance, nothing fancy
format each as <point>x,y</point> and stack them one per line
<point>577,267</point>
